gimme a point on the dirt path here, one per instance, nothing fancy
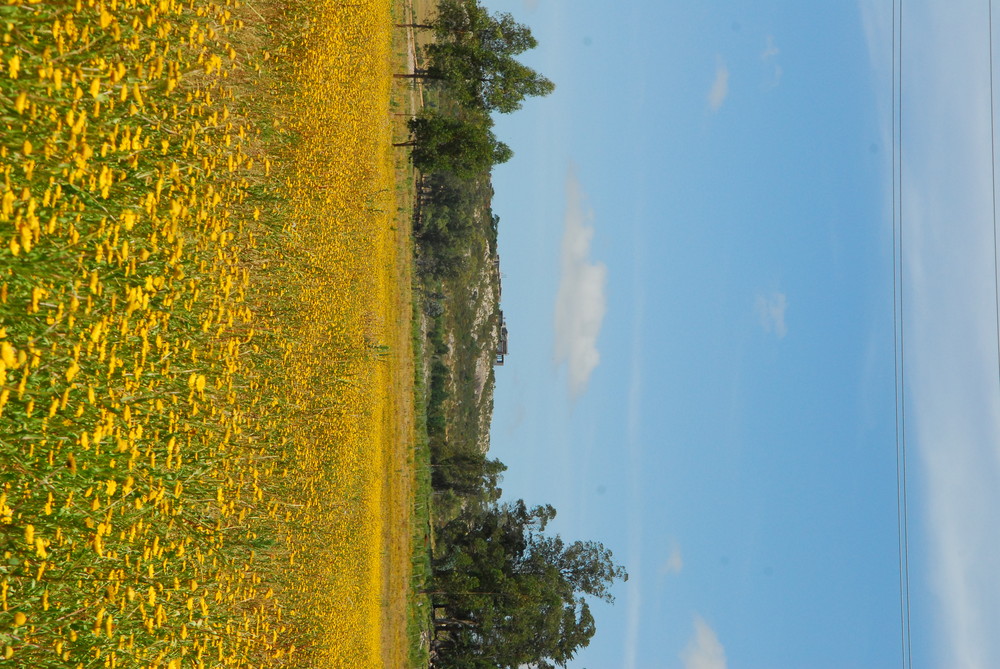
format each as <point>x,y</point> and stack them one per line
<point>417,90</point>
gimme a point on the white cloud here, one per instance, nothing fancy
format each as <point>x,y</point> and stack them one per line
<point>674,562</point>
<point>704,650</point>
<point>720,86</point>
<point>771,310</point>
<point>953,417</point>
<point>770,50</point>
<point>580,301</point>
<point>769,56</point>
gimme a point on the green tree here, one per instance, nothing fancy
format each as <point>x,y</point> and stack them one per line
<point>481,78</point>
<point>512,596</point>
<point>463,146</point>
<point>467,21</point>
<point>470,473</point>
<point>474,57</point>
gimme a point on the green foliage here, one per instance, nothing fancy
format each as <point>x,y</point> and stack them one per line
<point>503,593</point>
<point>461,146</point>
<point>509,595</point>
<point>449,229</point>
<point>438,394</point>
<point>474,56</point>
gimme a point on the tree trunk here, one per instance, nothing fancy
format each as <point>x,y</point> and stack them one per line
<point>415,75</point>
<point>445,623</point>
<point>459,592</point>
<point>414,25</point>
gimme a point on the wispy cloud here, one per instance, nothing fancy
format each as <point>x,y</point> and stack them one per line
<point>770,57</point>
<point>674,562</point>
<point>633,434</point>
<point>704,650</point>
<point>770,50</point>
<point>633,616</point>
<point>720,86</point>
<point>580,301</point>
<point>532,5</point>
<point>951,346</point>
<point>771,310</point>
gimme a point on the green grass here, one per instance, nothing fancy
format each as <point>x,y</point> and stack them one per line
<point>419,619</point>
<point>418,608</point>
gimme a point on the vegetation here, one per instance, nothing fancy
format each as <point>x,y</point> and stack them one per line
<point>473,59</point>
<point>193,324</point>
<point>503,593</point>
<point>473,56</point>
<point>464,147</point>
<point>199,337</point>
<point>509,596</point>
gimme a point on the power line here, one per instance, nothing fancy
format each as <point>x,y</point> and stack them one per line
<point>902,358</point>
<point>899,360</point>
<point>895,344</point>
<point>993,183</point>
<point>899,349</point>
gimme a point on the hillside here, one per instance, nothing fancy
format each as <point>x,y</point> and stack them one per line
<point>459,275</point>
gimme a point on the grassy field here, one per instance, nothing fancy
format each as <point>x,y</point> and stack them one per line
<point>205,341</point>
<point>407,100</point>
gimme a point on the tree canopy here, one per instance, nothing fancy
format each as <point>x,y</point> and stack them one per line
<point>504,593</point>
<point>463,146</point>
<point>512,596</point>
<point>474,59</point>
<point>474,55</point>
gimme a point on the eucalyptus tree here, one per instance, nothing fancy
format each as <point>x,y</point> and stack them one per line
<point>509,595</point>
<point>464,146</point>
<point>473,56</point>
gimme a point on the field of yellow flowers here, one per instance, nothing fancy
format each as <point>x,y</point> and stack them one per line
<point>199,328</point>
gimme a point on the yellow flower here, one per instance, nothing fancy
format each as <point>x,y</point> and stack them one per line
<point>8,354</point>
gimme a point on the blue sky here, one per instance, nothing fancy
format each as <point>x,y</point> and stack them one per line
<point>696,247</point>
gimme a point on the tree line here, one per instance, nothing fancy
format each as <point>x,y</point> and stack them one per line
<point>505,593</point>
<point>473,58</point>
<point>472,67</point>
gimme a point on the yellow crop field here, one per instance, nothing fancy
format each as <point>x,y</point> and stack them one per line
<point>199,333</point>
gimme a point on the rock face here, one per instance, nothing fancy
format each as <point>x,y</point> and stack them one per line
<point>466,317</point>
<point>473,307</point>
<point>486,330</point>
